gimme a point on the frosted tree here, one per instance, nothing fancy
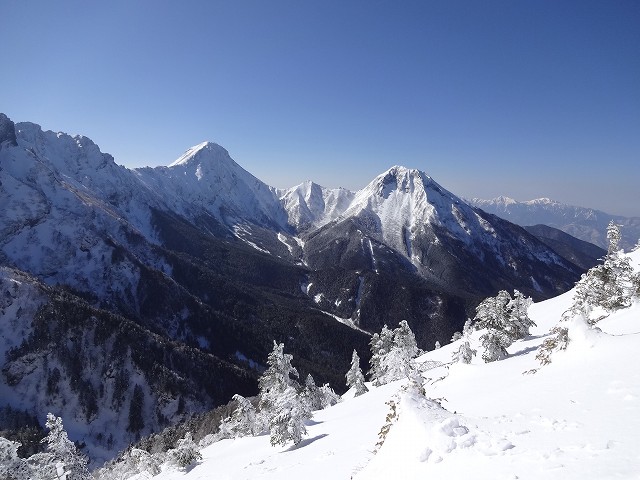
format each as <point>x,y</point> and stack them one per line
<point>492,312</point>
<point>312,394</point>
<point>396,362</point>
<point>606,287</point>
<point>275,379</point>
<point>464,354</point>
<point>456,336</point>
<point>506,319</point>
<point>437,346</point>
<point>328,396</point>
<point>355,377</point>
<point>70,463</point>
<point>380,344</point>
<point>290,412</point>
<point>186,453</point>
<point>518,310</point>
<point>244,418</point>
<point>281,408</point>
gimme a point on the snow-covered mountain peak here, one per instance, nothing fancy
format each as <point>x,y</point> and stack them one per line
<point>203,153</point>
<point>542,201</point>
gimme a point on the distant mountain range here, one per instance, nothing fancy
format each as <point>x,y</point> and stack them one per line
<point>584,223</point>
<point>133,298</point>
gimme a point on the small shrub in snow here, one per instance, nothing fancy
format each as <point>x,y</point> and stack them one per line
<point>185,454</point>
<point>456,336</point>
<point>464,354</point>
<point>559,340</point>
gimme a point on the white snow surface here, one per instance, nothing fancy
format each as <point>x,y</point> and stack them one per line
<point>576,418</point>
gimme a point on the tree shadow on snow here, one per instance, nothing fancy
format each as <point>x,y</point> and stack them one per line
<point>305,442</point>
<point>310,422</point>
<point>524,351</point>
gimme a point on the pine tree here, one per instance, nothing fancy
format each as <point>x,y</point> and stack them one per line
<point>328,397</point>
<point>610,286</point>
<point>518,311</point>
<point>275,379</point>
<point>355,378</point>
<point>282,409</point>
<point>312,394</point>
<point>244,418</point>
<point>287,422</point>
<point>380,344</point>
<point>396,362</point>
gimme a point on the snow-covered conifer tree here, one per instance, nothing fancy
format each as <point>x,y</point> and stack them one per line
<point>290,412</point>
<point>312,394</point>
<point>328,397</point>
<point>355,378</point>
<point>281,407</point>
<point>396,363</point>
<point>495,343</point>
<point>456,336</point>
<point>518,311</point>
<point>610,286</point>
<point>380,344</point>
<point>275,379</point>
<point>244,418</point>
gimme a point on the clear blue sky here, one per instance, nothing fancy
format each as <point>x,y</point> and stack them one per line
<point>519,98</point>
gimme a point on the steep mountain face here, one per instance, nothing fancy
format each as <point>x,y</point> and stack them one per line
<point>170,284</point>
<point>584,223</point>
<point>310,206</point>
<point>583,254</point>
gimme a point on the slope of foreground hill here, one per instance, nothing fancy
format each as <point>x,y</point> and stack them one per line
<point>575,418</point>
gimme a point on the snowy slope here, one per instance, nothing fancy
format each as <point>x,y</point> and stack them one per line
<point>577,418</point>
<point>584,223</point>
